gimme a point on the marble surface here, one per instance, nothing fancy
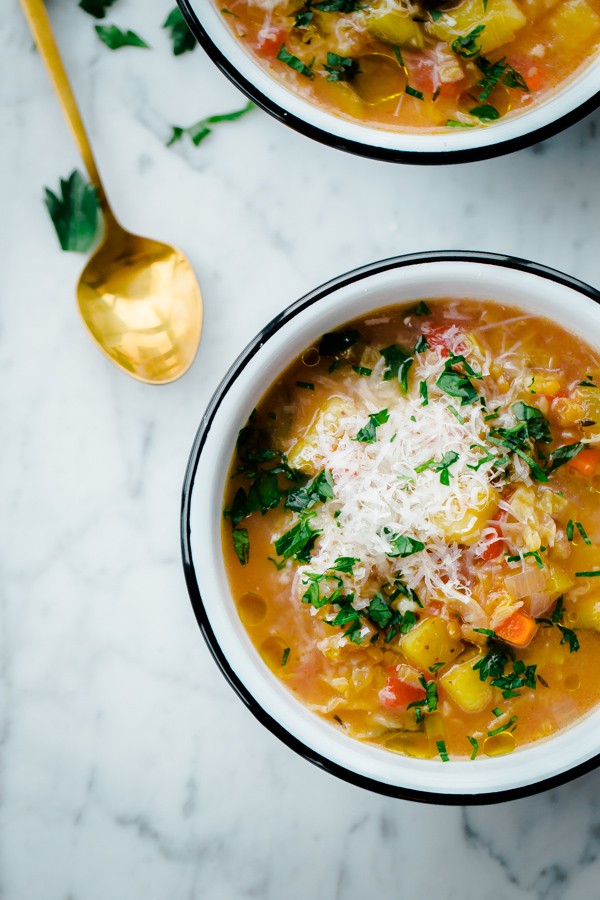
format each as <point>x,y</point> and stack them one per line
<point>128,768</point>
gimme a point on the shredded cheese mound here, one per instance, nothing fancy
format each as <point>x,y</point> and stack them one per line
<point>391,487</point>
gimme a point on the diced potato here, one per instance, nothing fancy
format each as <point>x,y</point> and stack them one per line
<point>584,612</point>
<point>396,27</point>
<point>574,23</point>
<point>429,643</point>
<point>466,528</point>
<point>558,581</point>
<point>304,454</point>
<point>502,19</point>
<point>463,684</point>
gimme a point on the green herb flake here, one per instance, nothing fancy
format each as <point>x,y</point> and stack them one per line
<point>298,542</point>
<point>422,344</point>
<point>96,8</point>
<point>362,370</point>
<point>338,342</point>
<point>201,129</point>
<point>485,113</point>
<point>501,728</point>
<point>307,385</point>
<point>474,744</point>
<point>341,68</point>
<point>436,667</point>
<point>594,574</point>
<point>413,92</point>
<point>441,748</point>
<point>74,213</point>
<point>497,712</point>
<point>293,62</point>
<point>368,433</point>
<point>583,533</point>
<point>398,363</point>
<point>241,544</point>
<point>424,393</point>
<point>115,39</point>
<point>182,38</point>
<point>402,545</point>
<point>467,46</point>
<point>454,123</point>
<point>564,455</point>
<point>285,656</point>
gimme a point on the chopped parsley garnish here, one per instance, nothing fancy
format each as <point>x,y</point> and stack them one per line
<point>454,123</point>
<point>436,14</point>
<point>534,424</point>
<point>431,696</point>
<point>594,574</point>
<point>402,545</point>
<point>285,656</point>
<point>568,635</point>
<point>341,68</point>
<point>456,414</point>
<point>485,113</point>
<point>114,38</point>
<point>181,36</point>
<point>564,455</point>
<point>443,467</point>
<point>304,18</point>
<point>344,564</point>
<point>413,92</point>
<point>436,667</point>
<point>441,748</point>
<point>398,363</point>
<point>501,728</point>
<point>457,384</point>
<point>298,542</point>
<point>320,489</point>
<point>241,544</point>
<point>474,744</point>
<point>534,554</point>
<point>497,712</point>
<point>293,62</point>
<point>493,666</point>
<point>422,344</point>
<point>368,433</point>
<point>337,342</point>
<point>424,393</point>
<point>494,73</point>
<point>307,385</point>
<point>362,370</point>
<point>96,8</point>
<point>467,46</point>
<point>201,129</point>
<point>583,533</point>
<point>74,213</point>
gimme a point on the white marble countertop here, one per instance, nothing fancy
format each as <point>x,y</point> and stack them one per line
<point>128,768</point>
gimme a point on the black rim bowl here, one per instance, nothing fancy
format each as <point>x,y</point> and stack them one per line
<point>188,563</point>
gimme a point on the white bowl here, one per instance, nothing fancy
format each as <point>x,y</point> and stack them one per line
<point>502,279</point>
<point>575,99</point>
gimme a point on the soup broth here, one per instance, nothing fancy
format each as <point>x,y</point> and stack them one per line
<point>421,65</point>
<point>412,528</point>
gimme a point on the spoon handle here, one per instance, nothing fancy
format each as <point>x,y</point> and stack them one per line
<point>39,23</point>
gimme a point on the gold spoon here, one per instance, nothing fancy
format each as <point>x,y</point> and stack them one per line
<point>139,299</point>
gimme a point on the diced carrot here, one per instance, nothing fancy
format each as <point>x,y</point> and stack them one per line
<point>587,462</point>
<point>518,629</point>
<point>493,549</point>
<point>398,694</point>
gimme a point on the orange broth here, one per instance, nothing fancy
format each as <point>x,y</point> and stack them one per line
<point>419,651</point>
<point>422,66</point>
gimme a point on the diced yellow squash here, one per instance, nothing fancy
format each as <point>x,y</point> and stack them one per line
<point>534,9</point>
<point>465,528</point>
<point>429,643</point>
<point>396,27</point>
<point>502,19</point>
<point>463,685</point>
<point>574,23</point>
<point>304,454</point>
<point>558,581</point>
<point>584,612</point>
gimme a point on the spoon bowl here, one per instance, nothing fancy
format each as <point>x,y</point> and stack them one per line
<point>141,303</point>
<point>139,298</point>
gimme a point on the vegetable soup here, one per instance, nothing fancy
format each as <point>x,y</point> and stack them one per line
<point>405,65</point>
<point>412,529</point>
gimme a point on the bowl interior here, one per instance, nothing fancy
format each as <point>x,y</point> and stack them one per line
<point>565,105</point>
<point>330,307</point>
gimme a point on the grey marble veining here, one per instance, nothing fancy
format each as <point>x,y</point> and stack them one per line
<point>128,769</point>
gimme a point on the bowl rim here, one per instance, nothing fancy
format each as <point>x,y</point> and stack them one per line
<point>202,618</point>
<point>368,150</point>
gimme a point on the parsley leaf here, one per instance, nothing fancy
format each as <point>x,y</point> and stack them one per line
<point>320,489</point>
<point>74,213</point>
<point>467,46</point>
<point>298,542</point>
<point>341,68</point>
<point>114,38</point>
<point>96,8</point>
<point>536,425</point>
<point>563,455</point>
<point>201,129</point>
<point>181,36</point>
<point>241,544</point>
<point>398,363</point>
<point>293,62</point>
<point>485,113</point>
<point>402,545</point>
<point>368,433</point>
